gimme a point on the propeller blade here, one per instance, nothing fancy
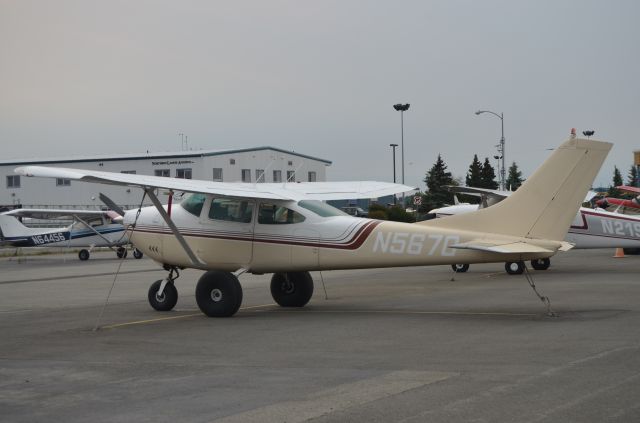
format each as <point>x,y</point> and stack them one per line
<point>109,203</point>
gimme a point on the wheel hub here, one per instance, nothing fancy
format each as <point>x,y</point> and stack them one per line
<point>216,295</point>
<point>160,297</point>
<point>287,287</point>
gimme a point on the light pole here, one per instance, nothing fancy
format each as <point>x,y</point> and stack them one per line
<point>393,147</point>
<point>402,108</point>
<point>500,146</point>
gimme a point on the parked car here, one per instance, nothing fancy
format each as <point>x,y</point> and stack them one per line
<point>355,211</point>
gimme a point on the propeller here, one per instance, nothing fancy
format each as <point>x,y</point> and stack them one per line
<point>111,204</point>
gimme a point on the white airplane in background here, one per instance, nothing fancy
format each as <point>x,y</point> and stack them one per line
<point>590,228</point>
<point>285,229</point>
<point>90,228</point>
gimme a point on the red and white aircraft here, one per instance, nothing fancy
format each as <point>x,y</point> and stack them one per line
<point>620,205</point>
<point>227,229</point>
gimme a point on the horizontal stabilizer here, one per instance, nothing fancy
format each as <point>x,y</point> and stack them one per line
<point>505,247</point>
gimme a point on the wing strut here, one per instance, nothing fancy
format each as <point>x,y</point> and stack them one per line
<point>192,256</point>
<point>109,243</point>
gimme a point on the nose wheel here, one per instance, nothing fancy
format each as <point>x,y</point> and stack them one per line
<point>163,294</point>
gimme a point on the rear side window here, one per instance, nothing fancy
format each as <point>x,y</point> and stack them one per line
<point>272,214</point>
<point>193,204</point>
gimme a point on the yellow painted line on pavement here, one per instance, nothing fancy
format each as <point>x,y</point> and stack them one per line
<point>182,316</point>
<point>453,313</point>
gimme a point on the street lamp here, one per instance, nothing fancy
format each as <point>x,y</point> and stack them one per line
<point>402,108</point>
<point>500,146</point>
<point>393,147</point>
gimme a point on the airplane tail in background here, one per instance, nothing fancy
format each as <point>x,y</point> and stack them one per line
<point>544,206</point>
<point>12,228</point>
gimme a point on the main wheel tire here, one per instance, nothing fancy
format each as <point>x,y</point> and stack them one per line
<point>121,252</point>
<point>514,267</point>
<point>137,253</point>
<point>218,294</point>
<point>83,255</point>
<point>167,300</point>
<point>541,264</point>
<point>460,268</point>
<point>293,289</point>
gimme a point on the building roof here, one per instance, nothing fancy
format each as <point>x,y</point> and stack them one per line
<point>140,156</point>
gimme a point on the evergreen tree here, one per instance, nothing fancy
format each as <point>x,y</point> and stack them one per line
<point>514,178</point>
<point>617,181</point>
<point>488,175</point>
<point>632,177</point>
<point>436,179</point>
<point>474,174</point>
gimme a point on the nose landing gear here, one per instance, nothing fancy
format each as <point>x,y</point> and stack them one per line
<point>163,294</point>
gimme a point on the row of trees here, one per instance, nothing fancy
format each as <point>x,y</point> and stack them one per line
<point>483,175</point>
<point>632,180</point>
<point>479,175</point>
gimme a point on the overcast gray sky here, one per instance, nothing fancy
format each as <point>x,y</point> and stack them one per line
<point>320,77</point>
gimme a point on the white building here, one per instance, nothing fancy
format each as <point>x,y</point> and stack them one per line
<point>250,165</point>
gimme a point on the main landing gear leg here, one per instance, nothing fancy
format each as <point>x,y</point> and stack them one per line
<point>163,294</point>
<point>543,298</point>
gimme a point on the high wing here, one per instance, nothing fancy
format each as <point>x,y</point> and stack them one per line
<point>488,197</point>
<point>274,191</point>
<point>54,213</point>
<point>497,194</point>
<point>628,188</point>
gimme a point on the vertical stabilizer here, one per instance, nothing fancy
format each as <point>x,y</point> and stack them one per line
<point>544,206</point>
<point>12,228</point>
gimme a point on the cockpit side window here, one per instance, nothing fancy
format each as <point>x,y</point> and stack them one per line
<point>231,210</point>
<point>193,204</point>
<point>96,221</point>
<point>320,208</point>
<point>273,214</point>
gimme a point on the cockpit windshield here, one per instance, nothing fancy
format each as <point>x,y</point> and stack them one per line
<point>193,203</point>
<point>320,208</point>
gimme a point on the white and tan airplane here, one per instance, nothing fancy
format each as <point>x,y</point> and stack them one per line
<point>285,229</point>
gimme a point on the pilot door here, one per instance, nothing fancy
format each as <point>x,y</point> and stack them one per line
<point>282,239</point>
<point>227,233</point>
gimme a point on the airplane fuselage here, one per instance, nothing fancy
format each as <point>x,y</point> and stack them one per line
<point>78,236</point>
<point>316,243</point>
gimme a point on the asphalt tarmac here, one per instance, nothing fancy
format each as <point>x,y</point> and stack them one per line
<point>388,345</point>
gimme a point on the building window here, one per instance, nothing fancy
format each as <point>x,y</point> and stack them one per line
<point>291,175</point>
<point>232,161</point>
<point>63,182</point>
<point>260,175</point>
<point>162,172</point>
<point>183,173</point>
<point>131,172</point>
<point>290,163</point>
<point>217,174</point>
<point>312,177</point>
<point>13,181</point>
<point>246,175</point>
<point>277,176</point>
